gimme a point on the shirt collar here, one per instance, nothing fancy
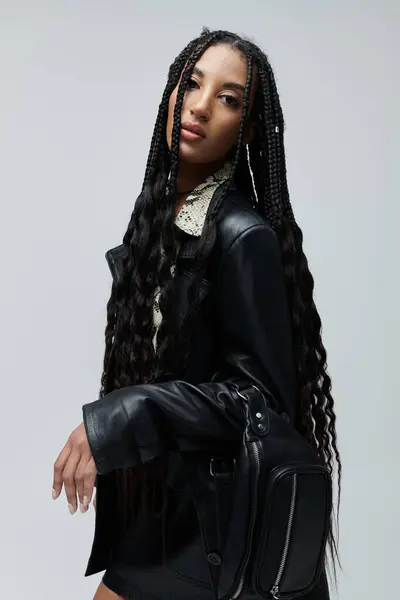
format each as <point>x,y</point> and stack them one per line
<point>192,216</point>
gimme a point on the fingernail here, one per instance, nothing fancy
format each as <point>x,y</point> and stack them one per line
<point>71,509</point>
<point>83,508</point>
<point>85,500</point>
<point>54,494</point>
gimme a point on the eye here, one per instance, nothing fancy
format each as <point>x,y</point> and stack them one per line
<point>231,101</point>
<point>192,84</point>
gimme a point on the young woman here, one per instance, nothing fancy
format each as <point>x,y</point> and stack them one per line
<point>211,296</point>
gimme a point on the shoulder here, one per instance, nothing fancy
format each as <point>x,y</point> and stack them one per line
<point>247,252</point>
<point>239,222</point>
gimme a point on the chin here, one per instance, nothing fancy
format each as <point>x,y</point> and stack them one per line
<point>192,155</point>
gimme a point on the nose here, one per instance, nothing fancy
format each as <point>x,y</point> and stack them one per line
<point>200,107</point>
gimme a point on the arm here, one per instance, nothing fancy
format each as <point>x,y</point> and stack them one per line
<point>135,424</point>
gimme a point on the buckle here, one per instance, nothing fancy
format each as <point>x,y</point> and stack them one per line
<point>222,466</point>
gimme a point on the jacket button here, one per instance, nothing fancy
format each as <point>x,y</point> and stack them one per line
<point>214,559</point>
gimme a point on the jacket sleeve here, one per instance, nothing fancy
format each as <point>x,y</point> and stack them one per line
<point>135,424</point>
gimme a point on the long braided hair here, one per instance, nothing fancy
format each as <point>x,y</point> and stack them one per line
<point>259,170</point>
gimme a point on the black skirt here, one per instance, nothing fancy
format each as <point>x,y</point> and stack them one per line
<point>119,584</point>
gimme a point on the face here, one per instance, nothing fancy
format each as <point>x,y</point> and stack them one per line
<point>212,106</point>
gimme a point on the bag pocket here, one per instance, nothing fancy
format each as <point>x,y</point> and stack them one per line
<point>292,539</point>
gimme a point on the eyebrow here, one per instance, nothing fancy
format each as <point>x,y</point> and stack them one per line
<point>228,84</point>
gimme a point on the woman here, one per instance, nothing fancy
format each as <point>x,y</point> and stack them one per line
<point>210,288</point>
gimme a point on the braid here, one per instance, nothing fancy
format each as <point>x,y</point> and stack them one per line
<point>315,417</point>
<point>183,336</point>
<point>166,333</point>
<point>176,343</point>
<point>239,147</point>
<point>272,187</point>
<point>129,354</point>
<point>109,337</point>
<point>279,140</point>
<point>173,76</point>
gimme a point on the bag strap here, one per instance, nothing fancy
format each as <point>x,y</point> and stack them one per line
<point>221,470</point>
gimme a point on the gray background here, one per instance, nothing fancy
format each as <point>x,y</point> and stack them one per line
<point>80,85</point>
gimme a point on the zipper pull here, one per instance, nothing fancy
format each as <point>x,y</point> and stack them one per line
<point>275,592</point>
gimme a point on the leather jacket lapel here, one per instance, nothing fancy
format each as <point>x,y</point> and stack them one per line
<point>186,253</point>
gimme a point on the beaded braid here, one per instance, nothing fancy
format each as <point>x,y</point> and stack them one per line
<point>271,98</point>
<point>316,419</point>
<point>273,145</point>
<point>215,207</point>
<point>272,189</point>
<point>317,404</point>
<point>279,136</point>
<point>280,150</point>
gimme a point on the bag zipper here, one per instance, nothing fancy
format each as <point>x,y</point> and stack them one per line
<point>256,451</point>
<point>275,588</point>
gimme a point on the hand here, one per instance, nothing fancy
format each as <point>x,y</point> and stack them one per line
<point>76,469</point>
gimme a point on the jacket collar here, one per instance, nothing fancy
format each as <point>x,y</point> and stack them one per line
<point>192,216</point>
<point>190,220</point>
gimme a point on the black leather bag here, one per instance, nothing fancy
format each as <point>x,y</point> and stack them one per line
<point>282,535</point>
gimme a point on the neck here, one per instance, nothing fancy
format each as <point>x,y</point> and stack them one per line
<point>191,175</point>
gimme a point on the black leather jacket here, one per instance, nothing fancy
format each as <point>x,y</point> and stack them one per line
<point>242,334</point>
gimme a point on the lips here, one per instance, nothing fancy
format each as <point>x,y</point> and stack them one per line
<point>193,128</point>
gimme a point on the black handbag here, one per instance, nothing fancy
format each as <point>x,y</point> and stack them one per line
<point>282,535</point>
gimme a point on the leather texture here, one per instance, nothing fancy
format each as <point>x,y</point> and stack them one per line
<point>242,337</point>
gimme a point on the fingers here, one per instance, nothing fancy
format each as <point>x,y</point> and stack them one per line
<point>76,470</point>
<point>85,479</point>
<point>69,480</point>
<point>59,467</point>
